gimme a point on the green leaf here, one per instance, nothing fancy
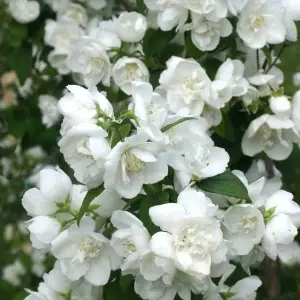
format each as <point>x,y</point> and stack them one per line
<point>125,282</point>
<point>168,127</point>
<point>20,60</point>
<point>156,41</point>
<point>225,129</point>
<point>15,34</point>
<point>124,130</point>
<point>140,6</point>
<point>90,196</point>
<point>147,202</point>
<point>226,184</point>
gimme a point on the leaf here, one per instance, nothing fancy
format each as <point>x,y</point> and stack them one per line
<point>15,34</point>
<point>225,129</point>
<point>140,6</point>
<point>156,41</point>
<point>125,282</point>
<point>147,202</point>
<point>226,184</point>
<point>90,196</point>
<point>20,60</point>
<point>124,130</point>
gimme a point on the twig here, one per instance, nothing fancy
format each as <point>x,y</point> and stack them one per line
<point>271,281</point>
<point>257,59</point>
<point>276,59</point>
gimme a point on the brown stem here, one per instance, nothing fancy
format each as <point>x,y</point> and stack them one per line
<point>271,280</point>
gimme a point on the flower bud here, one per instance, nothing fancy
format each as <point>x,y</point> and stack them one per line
<point>280,105</point>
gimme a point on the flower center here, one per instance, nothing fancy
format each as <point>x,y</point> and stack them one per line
<point>88,249</point>
<point>132,72</point>
<point>248,224</point>
<point>256,22</point>
<point>267,135</point>
<point>133,164</point>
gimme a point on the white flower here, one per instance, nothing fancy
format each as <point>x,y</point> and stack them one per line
<point>206,34</point>
<point>83,106</point>
<point>74,12</point>
<point>133,163</point>
<point>24,11</point>
<point>85,253</point>
<point>105,33</point>
<point>212,9</point>
<point>43,230</point>
<point>244,227</point>
<point>62,34</point>
<point>131,26</point>
<point>54,187</point>
<point>201,161</point>
<point>12,273</point>
<point>129,69</point>
<point>58,61</point>
<point>192,238</point>
<point>211,115</point>
<point>96,4</point>
<point>170,13</point>
<point>48,107</point>
<point>232,73</point>
<point>268,133</point>
<point>292,14</point>
<point>262,22</point>
<point>85,149</point>
<point>90,58</point>
<point>130,240</point>
<point>187,85</point>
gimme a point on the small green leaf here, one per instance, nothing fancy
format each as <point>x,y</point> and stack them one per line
<point>90,196</point>
<point>226,184</point>
<point>225,129</point>
<point>124,130</point>
<point>125,282</point>
<point>156,41</point>
<point>278,93</point>
<point>140,6</point>
<point>167,127</point>
<point>115,137</point>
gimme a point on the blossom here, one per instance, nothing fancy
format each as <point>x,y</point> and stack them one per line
<point>236,6</point>
<point>85,149</point>
<point>191,237</point>
<point>48,107</point>
<point>131,26</point>
<point>74,12</point>
<point>130,240</point>
<point>268,133</point>
<point>54,187</point>
<point>129,69</point>
<point>187,85</point>
<point>24,11</point>
<point>90,58</point>
<point>133,163</point>
<point>12,273</point>
<point>280,106</point>
<point>82,252</point>
<point>43,230</point>
<point>261,22</point>
<point>84,106</point>
<point>244,227</point>
<point>206,34</point>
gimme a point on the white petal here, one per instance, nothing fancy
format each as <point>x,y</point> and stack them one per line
<point>161,244</point>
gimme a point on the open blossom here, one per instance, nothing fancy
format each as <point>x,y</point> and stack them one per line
<point>74,12</point>
<point>206,34</point>
<point>268,133</point>
<point>24,11</point>
<point>133,163</point>
<point>129,69</point>
<point>170,14</point>
<point>244,227</point>
<point>130,240</point>
<point>192,238</point>
<point>131,26</point>
<point>90,58</point>
<point>85,149</point>
<point>82,252</point>
<point>262,22</point>
<point>187,85</point>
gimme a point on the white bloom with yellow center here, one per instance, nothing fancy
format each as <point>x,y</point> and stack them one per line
<point>129,69</point>
<point>133,163</point>
<point>85,253</point>
<point>269,133</point>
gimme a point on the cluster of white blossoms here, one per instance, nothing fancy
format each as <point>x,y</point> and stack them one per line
<point>141,205</point>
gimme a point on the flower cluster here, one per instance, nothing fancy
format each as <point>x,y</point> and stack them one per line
<point>172,147</point>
